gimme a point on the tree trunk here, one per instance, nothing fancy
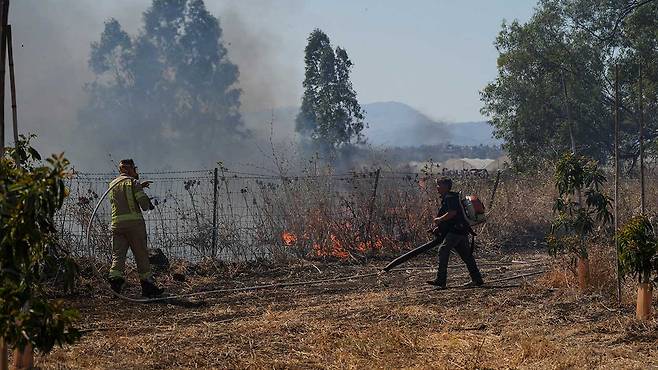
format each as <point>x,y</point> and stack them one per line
<point>644,295</point>
<point>583,273</point>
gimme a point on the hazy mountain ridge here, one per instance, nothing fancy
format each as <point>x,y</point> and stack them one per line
<point>390,124</point>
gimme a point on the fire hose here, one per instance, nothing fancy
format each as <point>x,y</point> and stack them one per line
<point>242,289</point>
<point>187,295</point>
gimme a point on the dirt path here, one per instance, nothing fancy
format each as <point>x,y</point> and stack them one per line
<point>388,321</point>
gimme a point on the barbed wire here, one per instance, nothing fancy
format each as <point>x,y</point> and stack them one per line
<point>91,176</point>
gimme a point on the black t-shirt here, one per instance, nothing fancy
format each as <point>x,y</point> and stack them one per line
<point>457,225</point>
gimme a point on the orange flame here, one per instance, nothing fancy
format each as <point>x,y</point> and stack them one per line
<point>335,249</point>
<point>365,246</point>
<point>338,250</point>
<point>288,238</point>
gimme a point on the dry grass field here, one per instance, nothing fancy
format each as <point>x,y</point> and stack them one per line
<point>387,321</point>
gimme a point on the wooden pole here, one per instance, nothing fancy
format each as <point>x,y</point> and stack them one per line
<point>495,187</point>
<point>616,208</point>
<point>642,186</point>
<point>214,216</point>
<point>583,258</point>
<point>579,194</point>
<point>12,84</point>
<point>570,124</point>
<point>4,357</point>
<point>4,15</point>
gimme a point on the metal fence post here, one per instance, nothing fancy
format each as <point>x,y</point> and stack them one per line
<point>642,193</point>
<point>371,208</point>
<point>616,205</point>
<point>214,215</point>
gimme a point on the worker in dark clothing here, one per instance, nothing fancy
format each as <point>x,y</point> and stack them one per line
<point>453,227</point>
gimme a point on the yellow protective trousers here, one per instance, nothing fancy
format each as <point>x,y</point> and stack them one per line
<point>130,235</point>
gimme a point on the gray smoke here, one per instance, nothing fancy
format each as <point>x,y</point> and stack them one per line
<point>52,44</point>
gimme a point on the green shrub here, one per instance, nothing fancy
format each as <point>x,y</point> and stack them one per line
<point>637,248</point>
<point>30,193</point>
<point>577,179</point>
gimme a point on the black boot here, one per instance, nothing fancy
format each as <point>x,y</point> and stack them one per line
<point>473,284</point>
<point>438,284</point>
<point>150,290</point>
<point>117,283</point>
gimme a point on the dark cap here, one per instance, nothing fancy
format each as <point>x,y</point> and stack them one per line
<point>127,162</point>
<point>444,181</point>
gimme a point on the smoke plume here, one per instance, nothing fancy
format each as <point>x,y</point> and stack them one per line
<point>51,50</point>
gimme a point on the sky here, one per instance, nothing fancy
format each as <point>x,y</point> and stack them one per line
<point>432,55</point>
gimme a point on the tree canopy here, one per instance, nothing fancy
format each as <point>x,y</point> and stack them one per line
<point>555,83</point>
<point>330,114</point>
<point>172,87</point>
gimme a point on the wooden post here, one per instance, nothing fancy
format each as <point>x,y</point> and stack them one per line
<point>616,208</point>
<point>491,199</point>
<point>493,191</point>
<point>4,15</point>
<point>641,103</point>
<point>4,359</point>
<point>12,84</point>
<point>570,124</point>
<point>583,261</point>
<point>214,216</point>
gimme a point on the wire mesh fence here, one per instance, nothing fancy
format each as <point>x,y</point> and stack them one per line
<point>235,216</point>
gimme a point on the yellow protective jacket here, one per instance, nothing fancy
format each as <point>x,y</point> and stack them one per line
<point>126,199</point>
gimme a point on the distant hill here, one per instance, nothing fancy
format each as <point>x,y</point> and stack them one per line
<point>473,133</point>
<point>396,124</point>
<point>391,124</point>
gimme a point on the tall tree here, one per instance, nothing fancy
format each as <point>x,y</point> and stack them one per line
<point>555,85</point>
<point>330,114</point>
<point>171,88</point>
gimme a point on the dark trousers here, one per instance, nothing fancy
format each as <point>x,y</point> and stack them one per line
<point>460,244</point>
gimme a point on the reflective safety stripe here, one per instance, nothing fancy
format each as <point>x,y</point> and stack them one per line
<point>140,195</point>
<point>146,276</point>
<point>127,217</point>
<point>130,196</point>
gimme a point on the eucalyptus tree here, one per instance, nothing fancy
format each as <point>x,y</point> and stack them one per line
<point>171,87</point>
<point>330,114</point>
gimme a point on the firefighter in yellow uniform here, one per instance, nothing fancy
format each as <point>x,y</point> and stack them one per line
<point>129,229</point>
